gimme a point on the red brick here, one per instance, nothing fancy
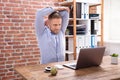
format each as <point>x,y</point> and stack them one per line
<point>1,55</point>
<point>32,17</point>
<point>2,16</point>
<point>7,8</point>
<point>27,50</point>
<point>33,42</point>
<point>30,35</point>
<point>31,38</point>
<point>29,21</point>
<point>37,56</point>
<point>19,39</point>
<point>10,73</point>
<point>2,32</point>
<point>36,53</point>
<point>15,1</point>
<point>20,46</point>
<point>25,43</point>
<point>7,25</point>
<point>2,66</point>
<point>16,28</point>
<point>34,3</point>
<point>8,77</point>
<point>6,12</point>
<point>3,70</point>
<point>36,49</point>
<point>13,43</point>
<point>33,59</point>
<point>20,35</point>
<point>2,59</point>
<point>8,47</point>
<point>14,58</point>
<point>5,0</point>
<point>7,54</point>
<point>27,56</point>
<point>2,74</point>
<point>32,63</point>
<point>18,13</point>
<point>25,2</point>
<point>20,61</point>
<point>31,46</point>
<point>17,20</point>
<point>17,54</point>
<point>25,6</point>
<point>8,39</point>
<point>23,16</point>
<point>19,64</point>
<point>3,43</point>
<point>6,28</point>
<point>2,62</point>
<point>12,16</point>
<point>18,9</point>
<point>18,50</point>
<point>9,35</point>
<point>9,62</point>
<point>1,20</point>
<point>26,24</point>
<point>26,53</point>
<point>9,66</point>
<point>7,51</point>
<point>1,4</point>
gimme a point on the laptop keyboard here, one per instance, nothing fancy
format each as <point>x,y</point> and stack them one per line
<point>73,65</point>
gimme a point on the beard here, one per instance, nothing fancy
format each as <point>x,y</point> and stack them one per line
<point>55,31</point>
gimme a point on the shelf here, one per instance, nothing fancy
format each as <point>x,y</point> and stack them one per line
<point>90,1</point>
<point>69,52</point>
<point>93,5</point>
<point>78,25</point>
<point>71,19</point>
<point>99,35</point>
<point>66,3</point>
<point>76,22</point>
<point>96,19</point>
<point>69,36</point>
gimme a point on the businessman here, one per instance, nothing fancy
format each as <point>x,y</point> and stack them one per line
<point>51,33</point>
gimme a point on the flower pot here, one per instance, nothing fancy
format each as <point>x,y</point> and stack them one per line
<point>114,60</point>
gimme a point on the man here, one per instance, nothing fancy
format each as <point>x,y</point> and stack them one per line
<point>51,33</point>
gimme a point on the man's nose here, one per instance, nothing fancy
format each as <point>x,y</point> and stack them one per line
<point>57,27</point>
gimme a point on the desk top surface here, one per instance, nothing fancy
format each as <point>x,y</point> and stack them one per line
<point>105,71</point>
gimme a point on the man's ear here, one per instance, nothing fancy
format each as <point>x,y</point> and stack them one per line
<point>47,22</point>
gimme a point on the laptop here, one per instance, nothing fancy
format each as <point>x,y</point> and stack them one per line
<point>88,57</point>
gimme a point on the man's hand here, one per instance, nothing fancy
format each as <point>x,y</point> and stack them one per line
<point>61,8</point>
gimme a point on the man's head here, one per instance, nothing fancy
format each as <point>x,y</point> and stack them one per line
<point>54,22</point>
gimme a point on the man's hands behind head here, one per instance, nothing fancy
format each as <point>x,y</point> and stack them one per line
<point>61,8</point>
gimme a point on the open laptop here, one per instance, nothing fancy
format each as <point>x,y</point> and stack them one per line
<point>88,57</point>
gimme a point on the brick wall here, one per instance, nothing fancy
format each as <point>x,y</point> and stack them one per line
<point>18,45</point>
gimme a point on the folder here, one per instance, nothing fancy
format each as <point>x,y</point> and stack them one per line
<point>93,41</point>
<point>88,41</point>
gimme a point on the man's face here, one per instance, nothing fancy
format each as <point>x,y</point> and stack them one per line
<point>55,25</point>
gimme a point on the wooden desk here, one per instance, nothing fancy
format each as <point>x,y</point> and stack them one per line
<point>106,71</point>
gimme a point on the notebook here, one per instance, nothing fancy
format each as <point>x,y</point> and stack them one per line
<point>88,57</point>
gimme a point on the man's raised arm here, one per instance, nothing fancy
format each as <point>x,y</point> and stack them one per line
<point>40,23</point>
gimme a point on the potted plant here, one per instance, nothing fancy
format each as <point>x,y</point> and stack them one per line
<point>114,58</point>
<point>67,32</point>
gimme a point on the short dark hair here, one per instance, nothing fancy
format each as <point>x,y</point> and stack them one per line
<point>54,15</point>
